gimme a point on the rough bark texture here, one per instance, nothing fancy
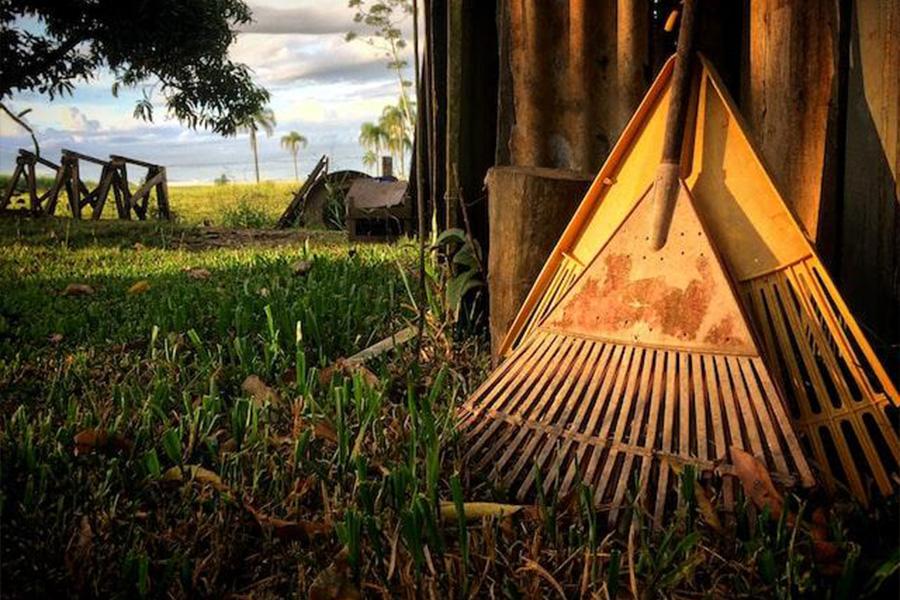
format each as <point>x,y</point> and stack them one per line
<point>792,95</point>
<point>869,220</point>
<point>528,210</point>
<point>562,64</point>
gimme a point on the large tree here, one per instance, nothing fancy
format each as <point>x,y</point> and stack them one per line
<point>179,48</point>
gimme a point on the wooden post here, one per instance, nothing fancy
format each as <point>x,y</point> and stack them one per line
<point>528,209</point>
<point>790,103</point>
<point>632,56</point>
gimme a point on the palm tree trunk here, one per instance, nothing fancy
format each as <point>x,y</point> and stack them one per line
<point>296,172</point>
<point>255,153</point>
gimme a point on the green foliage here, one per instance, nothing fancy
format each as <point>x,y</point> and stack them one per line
<point>179,47</point>
<point>246,215</point>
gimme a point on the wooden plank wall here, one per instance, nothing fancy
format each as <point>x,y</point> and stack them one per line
<point>821,92</point>
<point>869,217</point>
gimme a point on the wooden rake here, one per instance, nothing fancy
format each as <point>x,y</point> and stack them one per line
<point>638,357</point>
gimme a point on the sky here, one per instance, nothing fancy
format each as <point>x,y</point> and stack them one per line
<point>321,86</point>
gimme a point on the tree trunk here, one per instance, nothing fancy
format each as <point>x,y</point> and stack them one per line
<point>296,170</point>
<point>528,209</point>
<point>255,153</point>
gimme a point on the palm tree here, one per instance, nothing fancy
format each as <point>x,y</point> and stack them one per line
<point>374,140</point>
<point>293,142</point>
<point>369,159</point>
<point>263,119</point>
<point>393,123</point>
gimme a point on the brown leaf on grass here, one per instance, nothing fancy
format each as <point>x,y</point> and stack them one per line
<point>756,482</point>
<point>259,391</point>
<point>55,338</point>
<point>334,583</point>
<point>301,267</point>
<point>139,246</point>
<point>198,274</point>
<point>198,474</point>
<point>78,551</point>
<point>348,369</point>
<point>93,440</point>
<point>290,531</point>
<point>478,510</point>
<point>325,431</point>
<point>531,565</point>
<point>78,289</point>
<point>706,508</point>
<point>141,287</point>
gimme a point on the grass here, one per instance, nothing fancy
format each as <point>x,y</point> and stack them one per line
<point>229,205</point>
<point>136,460</point>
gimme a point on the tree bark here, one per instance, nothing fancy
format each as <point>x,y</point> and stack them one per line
<point>529,208</point>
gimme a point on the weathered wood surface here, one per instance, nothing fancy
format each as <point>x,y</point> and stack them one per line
<point>562,62</point>
<point>869,219</point>
<point>791,98</point>
<point>528,210</point>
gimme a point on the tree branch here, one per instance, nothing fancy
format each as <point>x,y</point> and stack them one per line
<point>23,125</point>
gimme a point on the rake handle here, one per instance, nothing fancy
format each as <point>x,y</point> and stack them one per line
<point>665,188</point>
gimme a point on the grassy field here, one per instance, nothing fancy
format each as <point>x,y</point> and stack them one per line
<point>230,205</point>
<point>140,457</point>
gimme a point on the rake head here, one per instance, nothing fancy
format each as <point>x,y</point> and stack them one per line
<point>644,363</point>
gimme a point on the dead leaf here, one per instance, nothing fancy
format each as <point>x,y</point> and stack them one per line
<point>756,482</point>
<point>78,289</point>
<point>78,551</point>
<point>531,565</point>
<point>91,440</point>
<point>198,274</point>
<point>333,583</point>
<point>139,246</point>
<point>348,369</point>
<point>141,287</point>
<point>325,431</point>
<point>198,474</point>
<point>290,531</point>
<point>477,510</point>
<point>55,338</point>
<point>259,391</point>
<point>302,267</point>
<point>706,508</point>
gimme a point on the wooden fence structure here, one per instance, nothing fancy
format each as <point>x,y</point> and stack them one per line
<point>67,177</point>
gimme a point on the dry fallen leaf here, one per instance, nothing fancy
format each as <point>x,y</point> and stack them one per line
<point>139,246</point>
<point>78,551</point>
<point>333,583</point>
<point>756,482</point>
<point>199,274</point>
<point>291,531</point>
<point>477,510</point>
<point>196,473</point>
<point>91,440</point>
<point>259,391</point>
<point>78,289</point>
<point>302,267</point>
<point>348,369</point>
<point>140,287</point>
<point>55,338</point>
<point>706,508</point>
